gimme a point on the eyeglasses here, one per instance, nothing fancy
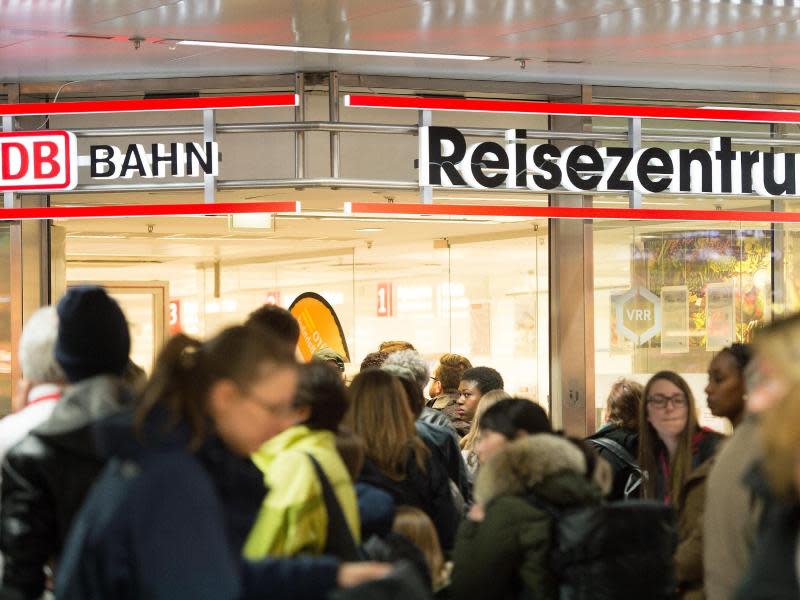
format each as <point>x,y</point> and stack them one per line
<point>272,409</point>
<point>661,401</point>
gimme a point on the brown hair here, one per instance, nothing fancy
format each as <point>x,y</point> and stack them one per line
<point>622,405</point>
<point>681,463</point>
<point>186,369</point>
<point>394,346</point>
<point>781,438</point>
<point>449,371</point>
<point>351,449</point>
<point>415,525</point>
<point>381,415</point>
<point>373,360</point>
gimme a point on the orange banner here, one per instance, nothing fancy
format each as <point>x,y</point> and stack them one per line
<point>319,326</point>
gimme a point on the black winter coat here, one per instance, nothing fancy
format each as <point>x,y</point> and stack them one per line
<point>443,444</point>
<point>772,574</point>
<point>428,490</point>
<point>629,440</point>
<point>45,479</point>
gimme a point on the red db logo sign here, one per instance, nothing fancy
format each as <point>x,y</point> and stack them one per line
<point>38,160</point>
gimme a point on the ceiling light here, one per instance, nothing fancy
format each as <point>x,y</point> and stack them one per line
<point>314,50</point>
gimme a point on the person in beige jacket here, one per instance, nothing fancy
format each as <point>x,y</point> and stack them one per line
<point>732,511</point>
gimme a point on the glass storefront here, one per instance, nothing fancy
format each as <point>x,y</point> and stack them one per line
<point>476,288</point>
<point>665,294</point>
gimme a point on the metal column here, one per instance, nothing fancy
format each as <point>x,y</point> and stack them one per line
<point>300,136</point>
<point>333,109</point>
<point>571,273</point>
<point>779,241</point>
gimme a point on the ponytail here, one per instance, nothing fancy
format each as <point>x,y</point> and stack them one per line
<point>177,384</point>
<point>186,369</point>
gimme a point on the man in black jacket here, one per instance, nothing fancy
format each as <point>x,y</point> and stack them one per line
<point>47,475</point>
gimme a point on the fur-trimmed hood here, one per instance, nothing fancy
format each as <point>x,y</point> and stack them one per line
<point>528,463</point>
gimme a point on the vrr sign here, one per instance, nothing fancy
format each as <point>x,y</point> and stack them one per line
<point>638,313</point>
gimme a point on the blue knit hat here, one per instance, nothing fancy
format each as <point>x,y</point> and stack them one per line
<point>93,336</point>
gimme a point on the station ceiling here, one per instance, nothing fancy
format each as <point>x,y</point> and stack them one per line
<point>749,45</point>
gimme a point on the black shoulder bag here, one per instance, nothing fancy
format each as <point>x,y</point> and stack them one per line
<point>339,542</point>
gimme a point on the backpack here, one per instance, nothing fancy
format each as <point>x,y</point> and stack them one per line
<point>623,463</point>
<point>614,551</point>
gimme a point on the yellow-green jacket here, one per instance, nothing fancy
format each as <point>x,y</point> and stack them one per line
<point>293,519</point>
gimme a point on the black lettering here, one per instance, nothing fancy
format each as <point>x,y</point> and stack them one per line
<point>749,159</point>
<point>644,169</point>
<point>133,161</point>
<point>575,167</point>
<point>96,161</point>
<point>778,189</point>
<point>206,162</point>
<point>541,160</point>
<point>438,161</point>
<point>480,160</point>
<point>171,158</point>
<point>520,150</point>
<point>615,181</point>
<point>725,157</point>
<point>687,157</point>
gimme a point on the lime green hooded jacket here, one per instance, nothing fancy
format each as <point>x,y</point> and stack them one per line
<point>293,519</point>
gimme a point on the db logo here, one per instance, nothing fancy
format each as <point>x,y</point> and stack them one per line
<point>38,160</point>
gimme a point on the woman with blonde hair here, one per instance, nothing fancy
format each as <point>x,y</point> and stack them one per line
<point>397,460</point>
<point>674,454</point>
<point>469,441</point>
<point>415,525</point>
<point>773,572</point>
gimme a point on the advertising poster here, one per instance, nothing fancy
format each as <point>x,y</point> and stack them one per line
<point>319,326</point>
<point>480,340</point>
<point>525,331</point>
<point>720,316</point>
<point>674,319</point>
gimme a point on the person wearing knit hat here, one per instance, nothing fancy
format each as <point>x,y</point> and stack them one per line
<point>46,476</point>
<point>330,356</point>
<point>93,334</point>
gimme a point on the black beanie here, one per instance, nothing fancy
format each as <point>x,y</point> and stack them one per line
<point>93,334</point>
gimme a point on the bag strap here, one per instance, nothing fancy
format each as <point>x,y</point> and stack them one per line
<point>339,542</point>
<point>617,450</point>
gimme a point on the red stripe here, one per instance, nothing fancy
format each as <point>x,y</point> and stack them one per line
<point>561,108</point>
<point>111,106</point>
<point>145,210</point>
<point>553,212</point>
<point>53,396</point>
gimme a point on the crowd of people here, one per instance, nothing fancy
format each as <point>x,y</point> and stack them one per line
<point>233,471</point>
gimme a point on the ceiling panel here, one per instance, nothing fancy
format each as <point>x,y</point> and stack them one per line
<point>734,44</point>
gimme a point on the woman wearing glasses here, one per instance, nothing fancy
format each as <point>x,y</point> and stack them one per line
<point>674,453</point>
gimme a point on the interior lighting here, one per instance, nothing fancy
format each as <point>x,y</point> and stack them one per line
<point>317,50</point>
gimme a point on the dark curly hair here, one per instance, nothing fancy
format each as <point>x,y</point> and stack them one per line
<point>485,378</point>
